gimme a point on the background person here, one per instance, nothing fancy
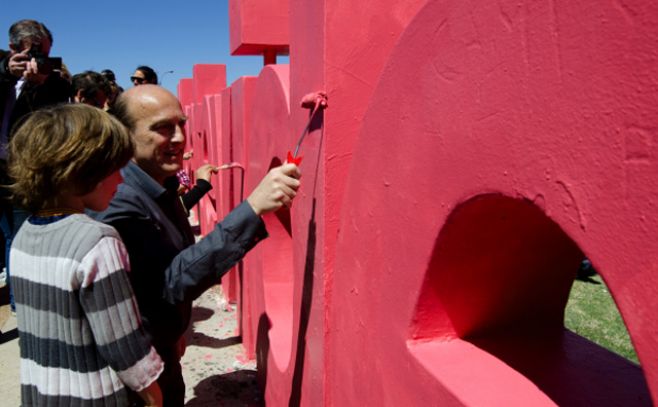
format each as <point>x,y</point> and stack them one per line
<point>91,88</point>
<point>144,75</point>
<point>25,86</point>
<point>115,89</point>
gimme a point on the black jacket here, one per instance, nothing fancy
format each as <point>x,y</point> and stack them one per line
<point>32,97</point>
<point>169,270</point>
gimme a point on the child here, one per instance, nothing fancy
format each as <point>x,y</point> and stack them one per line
<point>81,338</point>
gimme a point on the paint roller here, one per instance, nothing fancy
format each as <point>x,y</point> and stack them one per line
<point>316,101</point>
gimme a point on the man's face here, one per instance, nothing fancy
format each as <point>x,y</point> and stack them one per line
<point>159,132</point>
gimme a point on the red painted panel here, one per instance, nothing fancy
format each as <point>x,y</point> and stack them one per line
<point>341,47</point>
<point>258,26</point>
<point>186,91</point>
<point>227,195</point>
<point>210,155</point>
<point>209,79</point>
<point>269,267</point>
<point>241,95</point>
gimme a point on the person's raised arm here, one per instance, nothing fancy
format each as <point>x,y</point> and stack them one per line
<point>201,187</point>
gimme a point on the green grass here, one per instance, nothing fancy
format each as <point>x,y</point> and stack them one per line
<point>591,312</point>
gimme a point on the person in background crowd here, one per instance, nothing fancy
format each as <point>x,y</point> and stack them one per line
<point>90,88</point>
<point>29,80</point>
<point>115,89</point>
<point>170,270</point>
<point>81,338</point>
<point>192,194</point>
<point>144,75</point>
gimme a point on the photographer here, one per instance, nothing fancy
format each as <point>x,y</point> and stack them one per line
<point>29,80</point>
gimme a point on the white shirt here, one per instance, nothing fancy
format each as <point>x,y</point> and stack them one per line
<point>9,108</point>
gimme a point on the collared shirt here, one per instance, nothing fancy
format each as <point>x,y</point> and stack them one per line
<point>169,270</point>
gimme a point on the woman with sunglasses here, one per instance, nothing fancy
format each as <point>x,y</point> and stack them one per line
<point>144,74</point>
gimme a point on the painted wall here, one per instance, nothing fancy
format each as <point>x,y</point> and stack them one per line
<point>471,156</point>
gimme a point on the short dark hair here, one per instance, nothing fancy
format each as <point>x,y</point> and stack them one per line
<point>89,82</point>
<point>149,74</point>
<point>28,29</point>
<point>68,149</point>
<point>109,75</point>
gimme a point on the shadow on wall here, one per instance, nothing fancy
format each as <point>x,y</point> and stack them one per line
<point>499,279</point>
<point>262,350</point>
<point>305,312</point>
<point>316,123</point>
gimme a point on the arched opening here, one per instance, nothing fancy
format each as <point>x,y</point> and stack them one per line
<point>278,282</point>
<point>495,292</point>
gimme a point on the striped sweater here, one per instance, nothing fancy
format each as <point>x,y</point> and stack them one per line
<point>80,334</point>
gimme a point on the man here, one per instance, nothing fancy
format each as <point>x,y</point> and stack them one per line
<point>168,269</point>
<point>91,88</point>
<point>27,83</point>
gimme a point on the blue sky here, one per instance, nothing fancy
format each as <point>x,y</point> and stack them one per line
<point>120,35</point>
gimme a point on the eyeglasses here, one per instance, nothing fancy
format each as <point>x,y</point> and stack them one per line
<point>137,79</point>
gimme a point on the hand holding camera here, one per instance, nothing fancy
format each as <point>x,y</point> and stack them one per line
<point>33,65</point>
<point>45,64</point>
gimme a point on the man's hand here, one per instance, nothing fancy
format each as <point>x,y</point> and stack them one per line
<point>22,66</point>
<point>277,189</point>
<point>205,171</point>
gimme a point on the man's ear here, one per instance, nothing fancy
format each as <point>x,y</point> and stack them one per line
<point>78,96</point>
<point>11,47</point>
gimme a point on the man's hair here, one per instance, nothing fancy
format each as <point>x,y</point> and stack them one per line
<point>149,74</point>
<point>121,111</point>
<point>66,149</point>
<point>90,82</point>
<point>109,75</point>
<point>28,29</point>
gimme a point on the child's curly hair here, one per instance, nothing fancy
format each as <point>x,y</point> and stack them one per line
<point>66,149</point>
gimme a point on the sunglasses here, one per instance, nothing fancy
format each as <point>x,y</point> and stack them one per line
<point>137,79</point>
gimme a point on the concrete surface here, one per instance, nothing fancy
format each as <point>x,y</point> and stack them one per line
<point>215,370</point>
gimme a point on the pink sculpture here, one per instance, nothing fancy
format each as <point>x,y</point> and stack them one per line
<point>473,154</point>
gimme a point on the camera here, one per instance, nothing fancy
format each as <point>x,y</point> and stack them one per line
<point>45,64</point>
